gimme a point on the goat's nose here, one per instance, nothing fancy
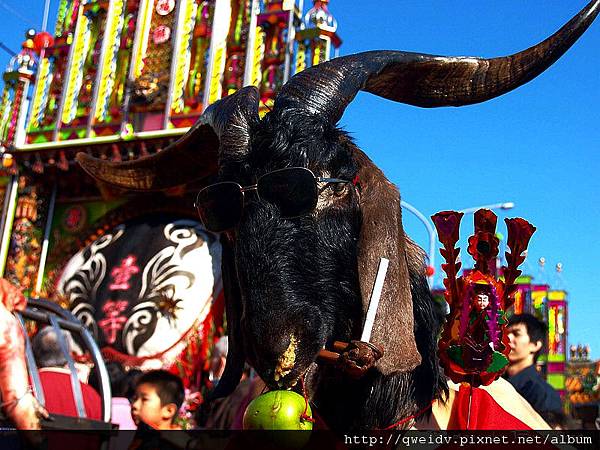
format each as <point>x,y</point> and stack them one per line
<point>287,359</point>
<point>271,362</point>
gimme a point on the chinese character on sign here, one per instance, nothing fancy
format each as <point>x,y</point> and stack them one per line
<point>121,274</point>
<point>75,219</point>
<point>164,7</point>
<point>114,321</point>
<point>161,34</point>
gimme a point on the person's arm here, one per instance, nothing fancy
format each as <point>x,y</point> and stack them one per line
<point>17,400</point>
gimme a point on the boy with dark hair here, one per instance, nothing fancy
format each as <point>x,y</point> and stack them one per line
<point>158,396</point>
<point>527,336</point>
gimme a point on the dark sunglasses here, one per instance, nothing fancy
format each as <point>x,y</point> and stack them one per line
<point>293,190</point>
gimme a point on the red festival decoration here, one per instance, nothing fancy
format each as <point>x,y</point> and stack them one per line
<point>164,7</point>
<point>161,34</point>
<point>41,41</point>
<point>474,347</point>
<point>429,271</point>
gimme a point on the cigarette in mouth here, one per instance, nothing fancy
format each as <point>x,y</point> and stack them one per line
<point>374,301</point>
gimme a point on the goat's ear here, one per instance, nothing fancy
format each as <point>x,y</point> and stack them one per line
<point>382,235</point>
<point>236,357</point>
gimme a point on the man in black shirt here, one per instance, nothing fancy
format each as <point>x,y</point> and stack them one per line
<point>527,334</point>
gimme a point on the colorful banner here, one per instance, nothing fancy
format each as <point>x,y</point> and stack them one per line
<point>253,47</point>
<point>66,17</point>
<point>79,51</point>
<point>539,302</point>
<point>218,52</point>
<point>300,58</point>
<point>259,55</point>
<point>5,108</point>
<point>557,326</point>
<point>108,63</point>
<point>40,94</point>
<point>181,65</point>
<point>141,38</point>
<point>27,235</point>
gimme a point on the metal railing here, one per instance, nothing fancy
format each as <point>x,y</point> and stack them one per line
<point>46,312</point>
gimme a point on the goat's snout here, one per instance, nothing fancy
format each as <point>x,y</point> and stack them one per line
<point>287,360</point>
<point>280,369</point>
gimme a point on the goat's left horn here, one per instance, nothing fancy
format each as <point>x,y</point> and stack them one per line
<point>425,80</point>
<point>192,157</point>
<point>223,128</point>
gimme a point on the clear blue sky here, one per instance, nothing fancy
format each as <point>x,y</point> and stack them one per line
<point>537,146</point>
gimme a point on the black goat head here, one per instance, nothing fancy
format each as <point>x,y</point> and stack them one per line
<point>293,284</point>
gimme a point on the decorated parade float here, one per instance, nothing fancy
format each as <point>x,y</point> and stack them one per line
<point>567,368</point>
<point>325,296</point>
<point>549,305</point>
<point>583,386</point>
<point>119,80</point>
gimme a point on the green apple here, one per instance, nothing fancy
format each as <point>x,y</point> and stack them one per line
<point>277,410</point>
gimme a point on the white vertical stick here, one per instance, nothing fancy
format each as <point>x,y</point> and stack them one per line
<point>46,10</point>
<point>374,301</point>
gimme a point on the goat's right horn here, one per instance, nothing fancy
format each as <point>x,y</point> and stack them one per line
<point>223,128</point>
<point>425,80</point>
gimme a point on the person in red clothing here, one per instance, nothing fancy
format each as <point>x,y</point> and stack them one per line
<point>56,378</point>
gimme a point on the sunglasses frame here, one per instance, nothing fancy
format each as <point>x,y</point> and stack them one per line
<point>254,187</point>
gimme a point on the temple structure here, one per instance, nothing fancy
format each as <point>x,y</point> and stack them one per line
<point>121,79</point>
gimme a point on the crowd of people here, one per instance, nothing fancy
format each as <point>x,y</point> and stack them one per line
<point>155,397</point>
<point>152,397</point>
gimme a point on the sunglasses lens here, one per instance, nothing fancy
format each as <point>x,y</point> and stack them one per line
<point>220,206</point>
<point>293,191</point>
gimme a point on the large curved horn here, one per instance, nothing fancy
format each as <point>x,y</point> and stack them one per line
<point>223,128</point>
<point>425,80</point>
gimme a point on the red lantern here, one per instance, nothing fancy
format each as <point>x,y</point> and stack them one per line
<point>429,271</point>
<point>42,40</point>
